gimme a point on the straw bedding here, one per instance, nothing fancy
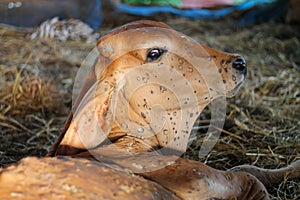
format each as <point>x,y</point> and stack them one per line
<point>262,121</point>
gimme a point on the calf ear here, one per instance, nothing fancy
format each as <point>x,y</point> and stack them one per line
<point>91,80</point>
<point>88,103</point>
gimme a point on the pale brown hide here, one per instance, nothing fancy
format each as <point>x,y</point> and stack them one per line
<point>73,178</point>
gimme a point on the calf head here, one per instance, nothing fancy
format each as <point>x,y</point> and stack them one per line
<point>149,83</point>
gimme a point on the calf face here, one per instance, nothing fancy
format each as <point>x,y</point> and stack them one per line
<point>149,83</point>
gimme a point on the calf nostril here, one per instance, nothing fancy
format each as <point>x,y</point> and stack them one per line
<point>240,64</point>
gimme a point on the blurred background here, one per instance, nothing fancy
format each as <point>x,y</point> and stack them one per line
<point>43,43</point>
<point>30,13</point>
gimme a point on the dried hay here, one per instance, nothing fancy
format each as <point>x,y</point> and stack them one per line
<point>29,95</point>
<point>262,123</point>
<point>35,90</point>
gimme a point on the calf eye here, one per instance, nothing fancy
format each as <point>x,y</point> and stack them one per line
<point>154,54</point>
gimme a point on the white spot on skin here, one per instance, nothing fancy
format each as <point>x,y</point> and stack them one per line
<point>107,49</point>
<point>16,194</point>
<point>127,189</point>
<point>138,166</point>
<point>140,129</point>
<point>216,186</point>
<point>70,188</point>
<point>190,69</point>
<point>124,125</point>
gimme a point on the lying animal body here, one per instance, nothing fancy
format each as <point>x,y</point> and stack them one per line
<point>132,120</point>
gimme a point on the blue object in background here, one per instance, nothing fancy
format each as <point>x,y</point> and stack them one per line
<point>199,13</point>
<point>96,16</point>
<point>273,11</point>
<point>26,13</point>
